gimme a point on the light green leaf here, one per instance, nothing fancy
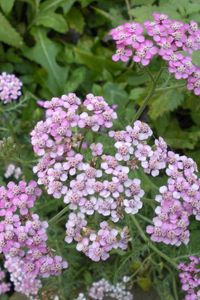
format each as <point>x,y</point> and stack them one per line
<point>8,34</point>
<point>50,5</point>
<point>142,13</point>
<point>136,93</point>
<point>196,58</point>
<point>44,53</point>
<point>7,5</point>
<point>67,5</point>
<point>76,20</point>
<point>167,101</point>
<point>52,20</point>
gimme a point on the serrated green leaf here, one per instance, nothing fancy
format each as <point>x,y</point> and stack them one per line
<point>76,20</point>
<point>167,101</point>
<point>44,53</point>
<point>52,20</point>
<point>8,34</point>
<point>7,5</point>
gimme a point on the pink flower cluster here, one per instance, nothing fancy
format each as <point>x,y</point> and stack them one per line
<point>23,237</point>
<point>10,87</point>
<point>178,199</point>
<point>26,283</point>
<point>166,38</point>
<point>94,244</point>
<point>95,185</point>
<point>92,181</point>
<point>189,277</point>
<point>4,286</point>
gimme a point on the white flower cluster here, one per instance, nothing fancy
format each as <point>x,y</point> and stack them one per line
<point>103,289</point>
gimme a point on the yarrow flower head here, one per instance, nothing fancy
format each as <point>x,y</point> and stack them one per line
<point>103,289</point>
<point>167,39</point>
<point>91,181</point>
<point>10,87</point>
<point>23,238</point>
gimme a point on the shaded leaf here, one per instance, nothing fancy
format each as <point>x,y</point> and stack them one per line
<point>8,34</point>
<point>7,5</point>
<point>76,20</point>
<point>44,53</point>
<point>52,20</point>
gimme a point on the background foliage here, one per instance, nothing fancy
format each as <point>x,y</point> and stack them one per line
<point>61,46</point>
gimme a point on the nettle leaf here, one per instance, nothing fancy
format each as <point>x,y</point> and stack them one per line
<point>52,20</point>
<point>76,20</point>
<point>196,58</point>
<point>8,34</point>
<point>7,5</point>
<point>167,101</point>
<point>44,53</point>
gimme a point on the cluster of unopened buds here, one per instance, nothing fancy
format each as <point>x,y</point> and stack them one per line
<point>10,87</point>
<point>163,37</point>
<point>23,239</point>
<point>103,289</point>
<point>189,278</point>
<point>92,181</point>
<point>4,286</point>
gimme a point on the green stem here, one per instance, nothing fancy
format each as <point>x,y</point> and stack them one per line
<point>148,97</point>
<point>56,217</point>
<point>128,9</point>
<point>154,248</point>
<point>186,256</point>
<point>169,87</point>
<point>174,287</point>
<point>145,219</point>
